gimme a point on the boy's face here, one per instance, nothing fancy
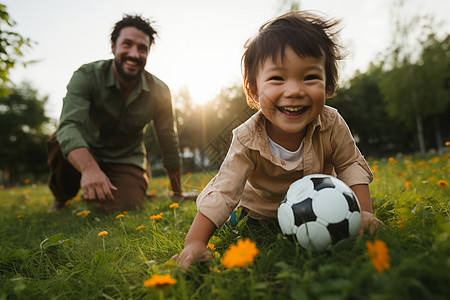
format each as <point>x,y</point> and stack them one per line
<point>291,93</point>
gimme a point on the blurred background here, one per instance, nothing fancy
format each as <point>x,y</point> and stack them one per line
<point>394,90</point>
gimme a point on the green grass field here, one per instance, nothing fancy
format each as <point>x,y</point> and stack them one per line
<point>61,255</point>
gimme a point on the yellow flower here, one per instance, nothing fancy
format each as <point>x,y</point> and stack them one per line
<point>102,233</point>
<point>211,246</point>
<point>240,255</point>
<point>379,255</point>
<point>157,217</point>
<point>140,227</point>
<point>160,281</point>
<point>83,213</point>
<point>20,216</point>
<point>174,205</point>
<point>120,216</point>
<point>442,183</point>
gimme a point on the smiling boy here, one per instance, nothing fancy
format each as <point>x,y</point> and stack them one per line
<point>289,69</point>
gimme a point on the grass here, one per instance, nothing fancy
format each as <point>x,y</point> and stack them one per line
<point>60,255</point>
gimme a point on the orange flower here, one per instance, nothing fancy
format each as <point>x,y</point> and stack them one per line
<point>408,184</point>
<point>83,213</point>
<point>447,143</point>
<point>26,181</point>
<point>152,192</point>
<point>125,212</point>
<point>140,227</point>
<point>20,216</point>
<point>240,255</point>
<point>102,233</point>
<point>374,169</point>
<point>160,281</point>
<point>442,183</point>
<point>379,255</point>
<point>211,246</point>
<point>156,217</point>
<point>174,205</point>
<point>392,160</point>
<point>120,216</point>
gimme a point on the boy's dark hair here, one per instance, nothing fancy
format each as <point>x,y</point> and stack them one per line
<point>134,21</point>
<point>307,34</point>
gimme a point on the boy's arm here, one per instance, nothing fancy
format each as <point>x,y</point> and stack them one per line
<point>368,220</point>
<point>196,240</point>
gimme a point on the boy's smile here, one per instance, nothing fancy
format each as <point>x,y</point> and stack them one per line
<point>291,94</point>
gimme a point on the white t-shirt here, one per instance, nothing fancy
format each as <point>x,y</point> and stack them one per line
<point>285,154</point>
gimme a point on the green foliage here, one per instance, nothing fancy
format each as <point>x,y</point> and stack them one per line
<point>59,255</point>
<point>23,134</point>
<point>12,46</point>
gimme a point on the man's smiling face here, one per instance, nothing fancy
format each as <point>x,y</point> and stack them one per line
<point>130,53</point>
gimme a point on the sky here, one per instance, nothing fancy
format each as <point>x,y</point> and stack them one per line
<point>199,44</point>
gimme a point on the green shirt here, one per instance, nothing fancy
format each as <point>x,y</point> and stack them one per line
<point>95,115</point>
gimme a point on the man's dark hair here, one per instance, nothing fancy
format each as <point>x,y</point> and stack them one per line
<point>137,22</point>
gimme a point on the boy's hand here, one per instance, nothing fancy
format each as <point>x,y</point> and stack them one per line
<point>195,251</point>
<point>369,223</point>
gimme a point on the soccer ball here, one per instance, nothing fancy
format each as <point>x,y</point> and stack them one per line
<point>319,210</point>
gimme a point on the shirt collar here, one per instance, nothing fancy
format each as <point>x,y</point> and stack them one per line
<point>111,79</point>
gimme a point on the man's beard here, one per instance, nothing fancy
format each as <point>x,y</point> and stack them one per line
<point>125,76</point>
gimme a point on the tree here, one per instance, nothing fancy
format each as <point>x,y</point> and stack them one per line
<point>23,134</point>
<point>405,90</point>
<point>12,46</point>
<point>360,103</point>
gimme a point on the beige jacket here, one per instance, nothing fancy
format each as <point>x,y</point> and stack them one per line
<point>252,177</point>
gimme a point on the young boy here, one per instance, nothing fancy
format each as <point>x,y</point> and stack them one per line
<point>289,69</point>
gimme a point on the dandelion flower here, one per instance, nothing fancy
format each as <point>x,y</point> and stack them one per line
<point>120,216</point>
<point>102,233</point>
<point>174,205</point>
<point>20,216</point>
<point>379,255</point>
<point>240,255</point>
<point>156,217</point>
<point>160,281</point>
<point>442,183</point>
<point>140,227</point>
<point>83,213</point>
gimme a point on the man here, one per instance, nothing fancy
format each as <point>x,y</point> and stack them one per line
<point>99,143</point>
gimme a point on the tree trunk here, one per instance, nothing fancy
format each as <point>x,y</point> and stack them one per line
<point>437,133</point>
<point>420,138</point>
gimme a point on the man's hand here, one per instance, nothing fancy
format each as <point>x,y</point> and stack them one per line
<point>195,251</point>
<point>94,183</point>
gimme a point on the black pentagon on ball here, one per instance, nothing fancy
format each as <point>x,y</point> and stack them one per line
<point>303,212</point>
<point>352,202</point>
<point>322,183</point>
<point>338,231</point>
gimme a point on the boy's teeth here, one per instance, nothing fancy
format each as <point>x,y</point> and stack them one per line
<point>293,109</point>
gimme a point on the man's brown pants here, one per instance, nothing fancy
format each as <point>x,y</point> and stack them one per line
<point>64,181</point>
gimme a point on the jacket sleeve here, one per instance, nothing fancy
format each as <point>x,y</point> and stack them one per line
<point>349,164</point>
<point>166,131</point>
<point>74,113</point>
<point>223,193</point>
